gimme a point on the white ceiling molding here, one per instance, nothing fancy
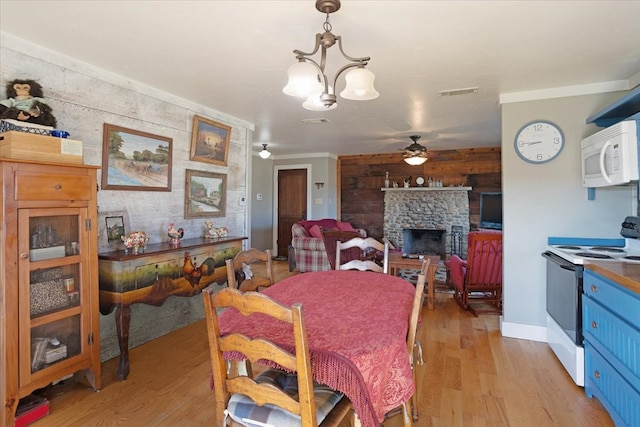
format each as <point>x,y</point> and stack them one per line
<point>563,92</point>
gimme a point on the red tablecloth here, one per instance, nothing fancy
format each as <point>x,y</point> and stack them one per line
<point>357,325</point>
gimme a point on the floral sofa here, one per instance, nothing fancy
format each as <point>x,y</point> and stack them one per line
<point>311,238</point>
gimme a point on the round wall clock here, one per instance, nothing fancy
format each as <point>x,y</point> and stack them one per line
<point>539,141</point>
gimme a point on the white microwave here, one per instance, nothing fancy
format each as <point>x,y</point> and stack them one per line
<point>610,156</point>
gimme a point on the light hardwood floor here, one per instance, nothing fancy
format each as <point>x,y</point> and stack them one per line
<point>472,377</point>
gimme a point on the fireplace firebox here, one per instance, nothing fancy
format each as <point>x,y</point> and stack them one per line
<point>424,241</point>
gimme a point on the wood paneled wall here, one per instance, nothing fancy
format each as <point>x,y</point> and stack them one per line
<point>361,177</point>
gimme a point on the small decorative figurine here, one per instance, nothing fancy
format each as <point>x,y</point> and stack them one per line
<point>209,232</point>
<point>222,232</point>
<point>215,232</point>
<point>175,235</point>
<point>407,182</point>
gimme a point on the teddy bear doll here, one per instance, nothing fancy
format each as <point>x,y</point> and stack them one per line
<point>25,102</point>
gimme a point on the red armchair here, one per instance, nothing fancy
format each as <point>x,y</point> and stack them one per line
<point>479,278</point>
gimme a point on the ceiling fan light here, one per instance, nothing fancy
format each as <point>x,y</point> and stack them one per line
<point>264,153</point>
<point>303,80</point>
<point>415,161</point>
<point>359,85</point>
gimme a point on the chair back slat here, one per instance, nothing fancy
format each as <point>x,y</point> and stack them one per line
<point>369,248</point>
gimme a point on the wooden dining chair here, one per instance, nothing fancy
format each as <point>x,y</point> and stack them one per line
<point>242,269</point>
<point>273,397</point>
<point>409,409</point>
<point>413,345</point>
<point>370,248</point>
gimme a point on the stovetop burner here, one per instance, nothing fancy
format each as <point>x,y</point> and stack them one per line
<point>608,249</point>
<point>571,248</point>
<point>593,255</point>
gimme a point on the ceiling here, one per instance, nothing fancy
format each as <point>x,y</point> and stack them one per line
<point>232,56</point>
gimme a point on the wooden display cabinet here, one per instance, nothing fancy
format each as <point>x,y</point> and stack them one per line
<point>49,318</point>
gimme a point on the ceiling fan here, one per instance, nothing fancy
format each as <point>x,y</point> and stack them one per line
<point>415,154</point>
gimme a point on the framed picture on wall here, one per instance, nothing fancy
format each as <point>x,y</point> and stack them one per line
<point>205,194</point>
<point>210,141</point>
<point>135,160</point>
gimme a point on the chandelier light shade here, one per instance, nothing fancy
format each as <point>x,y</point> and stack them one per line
<point>359,85</point>
<point>303,80</point>
<point>264,153</point>
<point>415,154</point>
<point>307,77</point>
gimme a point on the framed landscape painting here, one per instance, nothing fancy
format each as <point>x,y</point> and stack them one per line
<point>205,194</point>
<point>210,141</point>
<point>135,160</point>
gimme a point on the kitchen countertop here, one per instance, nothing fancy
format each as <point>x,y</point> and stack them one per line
<point>623,273</point>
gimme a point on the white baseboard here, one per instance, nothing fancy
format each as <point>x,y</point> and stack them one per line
<point>524,332</point>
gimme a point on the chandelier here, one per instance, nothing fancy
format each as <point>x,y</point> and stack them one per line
<point>415,154</point>
<point>307,77</point>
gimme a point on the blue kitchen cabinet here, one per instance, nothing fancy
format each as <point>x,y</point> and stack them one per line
<point>611,319</point>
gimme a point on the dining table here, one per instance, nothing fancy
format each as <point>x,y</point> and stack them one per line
<point>357,324</point>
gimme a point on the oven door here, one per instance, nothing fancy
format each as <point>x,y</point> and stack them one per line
<point>564,290</point>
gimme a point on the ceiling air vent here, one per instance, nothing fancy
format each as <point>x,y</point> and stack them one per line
<point>456,92</point>
<point>318,121</point>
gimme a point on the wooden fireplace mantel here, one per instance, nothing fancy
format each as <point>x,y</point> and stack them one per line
<point>426,189</point>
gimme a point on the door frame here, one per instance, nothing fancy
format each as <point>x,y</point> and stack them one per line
<point>276,171</point>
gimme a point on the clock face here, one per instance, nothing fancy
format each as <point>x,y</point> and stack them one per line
<point>539,141</point>
<point>420,181</point>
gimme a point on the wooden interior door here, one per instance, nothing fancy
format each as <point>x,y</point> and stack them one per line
<point>292,205</point>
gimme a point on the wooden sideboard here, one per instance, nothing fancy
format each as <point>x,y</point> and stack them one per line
<point>155,274</point>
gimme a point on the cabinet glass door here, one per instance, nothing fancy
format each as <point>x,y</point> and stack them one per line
<point>52,274</point>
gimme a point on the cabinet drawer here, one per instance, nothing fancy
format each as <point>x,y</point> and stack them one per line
<point>625,303</point>
<point>618,396</point>
<point>37,186</point>
<point>614,338</point>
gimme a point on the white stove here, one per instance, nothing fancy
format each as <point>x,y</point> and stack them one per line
<point>578,250</point>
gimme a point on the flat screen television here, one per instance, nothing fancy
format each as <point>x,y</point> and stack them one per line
<point>491,210</point>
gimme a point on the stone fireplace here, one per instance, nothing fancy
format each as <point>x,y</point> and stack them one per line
<point>427,208</point>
